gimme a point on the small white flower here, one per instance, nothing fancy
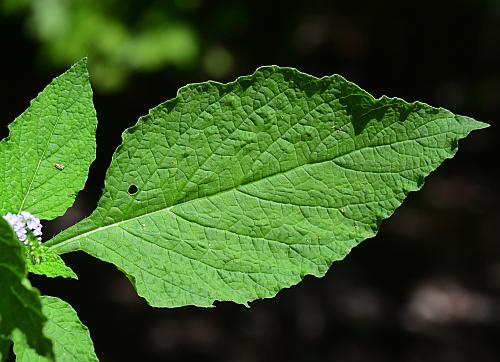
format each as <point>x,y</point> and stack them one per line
<point>11,218</point>
<point>35,226</point>
<point>37,232</point>
<point>26,215</point>
<point>24,224</point>
<point>33,223</point>
<point>29,232</point>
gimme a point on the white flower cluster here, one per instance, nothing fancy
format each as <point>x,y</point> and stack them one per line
<point>23,224</point>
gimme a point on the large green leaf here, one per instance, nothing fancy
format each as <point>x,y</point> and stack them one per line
<point>45,160</point>
<point>20,308</point>
<point>70,337</point>
<point>244,188</point>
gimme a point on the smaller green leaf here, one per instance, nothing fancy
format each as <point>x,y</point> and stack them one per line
<point>44,161</point>
<point>71,338</point>
<point>52,266</point>
<point>20,307</point>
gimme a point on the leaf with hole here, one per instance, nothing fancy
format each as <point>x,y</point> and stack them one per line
<point>235,191</point>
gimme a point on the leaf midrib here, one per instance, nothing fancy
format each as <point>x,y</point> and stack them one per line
<point>38,166</point>
<point>56,123</point>
<point>168,208</point>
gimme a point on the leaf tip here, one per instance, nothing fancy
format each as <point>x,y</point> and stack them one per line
<point>471,124</point>
<point>80,66</point>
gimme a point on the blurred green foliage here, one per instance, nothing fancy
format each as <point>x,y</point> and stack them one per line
<point>119,37</point>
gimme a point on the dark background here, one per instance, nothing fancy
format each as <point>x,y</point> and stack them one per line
<point>426,288</point>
